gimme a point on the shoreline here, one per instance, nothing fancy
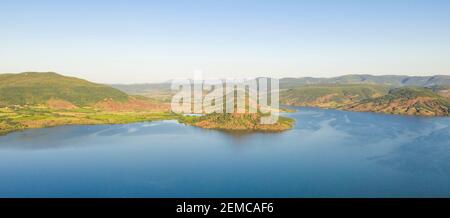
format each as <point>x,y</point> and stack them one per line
<point>375,112</point>
<point>20,120</point>
<point>182,120</point>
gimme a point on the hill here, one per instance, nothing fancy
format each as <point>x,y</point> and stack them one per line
<point>32,88</point>
<point>442,90</point>
<point>330,95</point>
<point>406,100</point>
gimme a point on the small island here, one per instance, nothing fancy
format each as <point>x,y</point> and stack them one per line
<point>238,122</point>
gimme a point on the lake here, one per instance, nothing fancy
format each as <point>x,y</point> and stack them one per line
<point>329,153</point>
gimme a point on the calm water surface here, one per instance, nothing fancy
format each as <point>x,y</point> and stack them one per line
<point>329,154</point>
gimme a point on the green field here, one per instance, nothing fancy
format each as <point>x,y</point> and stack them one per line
<point>12,119</point>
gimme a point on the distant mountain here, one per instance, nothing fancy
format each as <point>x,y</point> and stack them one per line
<point>407,100</point>
<point>142,88</point>
<point>390,80</point>
<point>286,83</point>
<point>33,88</point>
<point>157,92</point>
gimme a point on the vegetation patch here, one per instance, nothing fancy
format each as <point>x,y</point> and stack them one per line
<point>330,95</point>
<point>408,101</point>
<point>13,119</point>
<point>238,122</point>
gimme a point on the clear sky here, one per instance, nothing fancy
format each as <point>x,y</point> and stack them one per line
<point>150,41</point>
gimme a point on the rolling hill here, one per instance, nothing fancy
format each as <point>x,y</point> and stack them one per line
<point>442,90</point>
<point>330,95</point>
<point>343,91</point>
<point>32,88</point>
<point>406,100</point>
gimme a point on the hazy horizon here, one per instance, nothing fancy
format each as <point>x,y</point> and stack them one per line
<point>207,77</point>
<point>126,42</point>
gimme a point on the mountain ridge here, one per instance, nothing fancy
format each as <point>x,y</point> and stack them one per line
<point>357,92</point>
<point>289,82</point>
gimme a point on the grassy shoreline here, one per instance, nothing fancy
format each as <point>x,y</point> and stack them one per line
<point>29,117</point>
<point>16,119</point>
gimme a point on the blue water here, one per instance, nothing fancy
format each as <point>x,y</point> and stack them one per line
<point>329,153</point>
